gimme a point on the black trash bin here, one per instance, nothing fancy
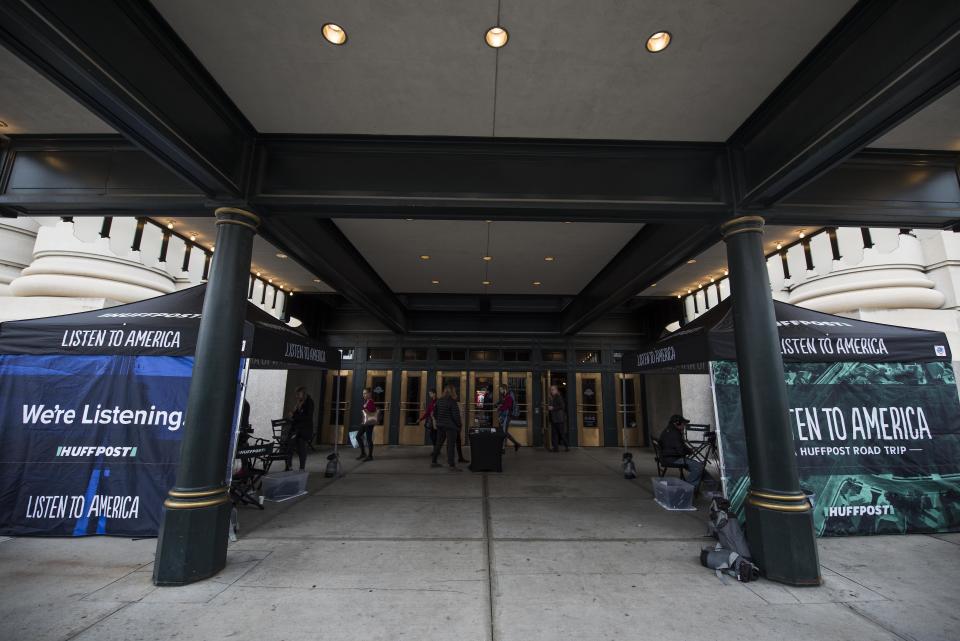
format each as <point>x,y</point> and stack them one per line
<point>485,447</point>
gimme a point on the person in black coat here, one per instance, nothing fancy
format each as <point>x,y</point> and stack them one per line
<point>448,425</point>
<point>301,428</point>
<point>674,448</point>
<point>558,420</point>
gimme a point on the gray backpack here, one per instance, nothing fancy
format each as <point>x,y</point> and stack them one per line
<point>731,555</point>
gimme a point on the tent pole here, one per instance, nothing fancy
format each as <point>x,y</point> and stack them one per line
<point>192,544</point>
<point>779,519</point>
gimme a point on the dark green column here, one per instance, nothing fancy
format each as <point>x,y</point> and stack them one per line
<point>196,516</point>
<point>779,521</point>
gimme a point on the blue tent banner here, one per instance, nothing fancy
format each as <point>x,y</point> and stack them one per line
<point>89,444</point>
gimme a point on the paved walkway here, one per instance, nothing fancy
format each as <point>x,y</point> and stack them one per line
<point>557,547</point>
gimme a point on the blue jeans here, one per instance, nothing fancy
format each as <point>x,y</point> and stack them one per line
<point>694,469</point>
<point>505,426</point>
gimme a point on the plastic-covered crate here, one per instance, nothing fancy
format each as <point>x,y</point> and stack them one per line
<point>280,486</point>
<point>673,494</point>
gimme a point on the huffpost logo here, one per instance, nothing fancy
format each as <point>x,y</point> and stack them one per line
<point>109,451</point>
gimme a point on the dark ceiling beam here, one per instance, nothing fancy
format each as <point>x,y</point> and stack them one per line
<point>882,63</point>
<point>92,175</point>
<point>491,178</point>
<point>883,186</point>
<point>121,60</point>
<point>654,252</point>
<point>319,245</point>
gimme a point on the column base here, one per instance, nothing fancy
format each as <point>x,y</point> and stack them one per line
<point>783,545</point>
<point>192,545</point>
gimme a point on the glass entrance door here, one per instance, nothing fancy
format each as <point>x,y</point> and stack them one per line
<point>380,383</point>
<point>521,384</point>
<point>560,380</point>
<point>336,401</point>
<point>589,409</point>
<point>413,400</point>
<point>629,411</point>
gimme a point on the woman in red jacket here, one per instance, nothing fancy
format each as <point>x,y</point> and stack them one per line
<point>365,432</point>
<point>429,416</point>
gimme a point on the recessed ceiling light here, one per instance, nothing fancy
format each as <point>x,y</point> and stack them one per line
<point>711,279</point>
<point>679,295</point>
<point>549,259</point>
<point>408,219</point>
<point>496,37</point>
<point>691,261</point>
<point>334,33</point>
<point>726,272</point>
<point>212,247</point>
<point>193,238</point>
<point>316,280</point>
<point>658,41</point>
<point>258,274</point>
<point>169,224</point>
<point>802,235</point>
<point>424,257</point>
<point>435,281</point>
<point>537,283</point>
<point>281,255</point>
<point>269,280</point>
<point>779,245</point>
<point>488,258</point>
<point>487,282</point>
<point>654,285</point>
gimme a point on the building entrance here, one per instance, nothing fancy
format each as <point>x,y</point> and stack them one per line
<point>560,380</point>
<point>380,384</point>
<point>589,409</point>
<point>630,424</point>
<point>413,400</point>
<point>336,415</point>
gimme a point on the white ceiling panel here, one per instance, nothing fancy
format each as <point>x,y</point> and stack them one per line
<point>571,69</point>
<point>31,104</point>
<point>575,69</point>
<point>456,249</point>
<point>407,67</point>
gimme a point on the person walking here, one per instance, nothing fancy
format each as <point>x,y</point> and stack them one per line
<point>449,424</point>
<point>429,416</point>
<point>505,409</point>
<point>365,433</point>
<point>301,428</point>
<point>557,407</point>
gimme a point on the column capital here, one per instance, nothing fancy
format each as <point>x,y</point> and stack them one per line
<point>742,224</point>
<point>236,216</point>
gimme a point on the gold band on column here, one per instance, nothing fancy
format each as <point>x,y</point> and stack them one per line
<point>741,225</point>
<point>779,507</point>
<point>181,500</point>
<point>252,222</point>
<point>776,496</point>
<point>196,494</point>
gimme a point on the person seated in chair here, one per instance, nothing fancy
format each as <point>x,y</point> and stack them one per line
<point>674,448</point>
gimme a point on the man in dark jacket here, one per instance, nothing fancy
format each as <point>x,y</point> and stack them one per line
<point>301,428</point>
<point>557,407</point>
<point>674,448</point>
<point>448,423</point>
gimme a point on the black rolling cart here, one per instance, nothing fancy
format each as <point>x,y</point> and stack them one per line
<point>485,447</point>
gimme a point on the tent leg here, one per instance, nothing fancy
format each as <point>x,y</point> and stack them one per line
<point>196,518</point>
<point>779,520</point>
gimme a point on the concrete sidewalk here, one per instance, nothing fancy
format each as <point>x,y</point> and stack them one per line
<point>559,546</point>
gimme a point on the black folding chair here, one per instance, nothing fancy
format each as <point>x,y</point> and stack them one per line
<point>663,465</point>
<point>255,459</point>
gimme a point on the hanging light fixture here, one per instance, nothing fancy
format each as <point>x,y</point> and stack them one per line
<point>496,37</point>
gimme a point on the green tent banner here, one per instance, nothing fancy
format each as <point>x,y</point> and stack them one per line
<point>877,444</point>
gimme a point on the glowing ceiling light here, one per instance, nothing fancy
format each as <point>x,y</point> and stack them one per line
<point>658,41</point>
<point>487,282</point>
<point>424,257</point>
<point>692,261</point>
<point>496,37</point>
<point>537,283</point>
<point>779,245</point>
<point>488,258</point>
<point>334,33</point>
<point>193,238</point>
<point>281,255</point>
<point>435,281</point>
<point>549,259</point>
<point>169,225</point>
